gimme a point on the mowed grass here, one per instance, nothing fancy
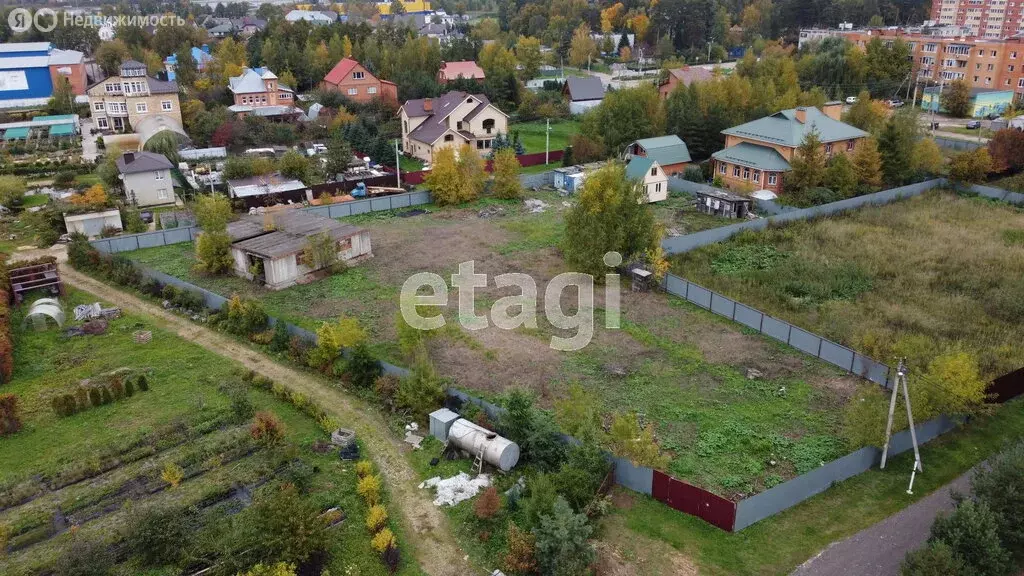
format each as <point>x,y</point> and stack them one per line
<point>531,134</point>
<point>914,278</point>
<point>184,397</point>
<point>776,545</point>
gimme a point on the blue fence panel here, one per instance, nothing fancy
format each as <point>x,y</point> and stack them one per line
<point>722,306</point>
<point>399,201</point>
<point>101,245</point>
<point>380,204</point>
<point>675,285</point>
<point>636,478</point>
<point>151,240</point>
<point>340,210</point>
<point>901,441</point>
<point>867,368</point>
<point>748,316</point>
<point>998,194</point>
<point>324,211</point>
<point>360,207</point>
<point>835,354</point>
<point>698,295</point>
<point>804,341</point>
<point>123,244</point>
<point>775,328</point>
<point>179,235</point>
<point>417,198</point>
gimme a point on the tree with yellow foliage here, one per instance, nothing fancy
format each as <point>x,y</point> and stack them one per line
<point>346,46</point>
<point>471,169</point>
<point>639,25</point>
<point>95,195</point>
<point>444,179</point>
<point>506,174</point>
<point>582,48</point>
<point>611,17</point>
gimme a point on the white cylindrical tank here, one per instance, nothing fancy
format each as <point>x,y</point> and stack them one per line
<point>498,451</point>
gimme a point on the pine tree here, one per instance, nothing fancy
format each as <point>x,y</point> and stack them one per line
<point>809,163</point>
<point>867,163</point>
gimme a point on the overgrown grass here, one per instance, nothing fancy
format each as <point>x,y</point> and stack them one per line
<point>912,278</point>
<point>531,134</point>
<point>778,544</point>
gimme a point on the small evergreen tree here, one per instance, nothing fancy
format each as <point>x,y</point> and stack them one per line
<point>972,533</point>
<point>562,546</point>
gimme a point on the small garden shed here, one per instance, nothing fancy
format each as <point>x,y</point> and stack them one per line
<point>283,248</point>
<point>722,203</point>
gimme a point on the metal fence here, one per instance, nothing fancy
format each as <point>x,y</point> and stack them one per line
<point>129,242</point>
<point>795,491</point>
<point>681,244</point>
<point>807,342</point>
<point>957,144</point>
<point>998,194</point>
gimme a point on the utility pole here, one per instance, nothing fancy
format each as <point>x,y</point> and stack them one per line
<point>710,40</point>
<point>547,139</point>
<point>398,166</point>
<point>901,381</point>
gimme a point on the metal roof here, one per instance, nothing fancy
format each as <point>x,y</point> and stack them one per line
<point>589,88</point>
<point>250,82</point>
<point>665,149</point>
<point>263,185</point>
<point>62,129</point>
<point>784,128</point>
<point>142,162</point>
<point>638,167</point>
<point>24,47</point>
<point>753,156</point>
<point>290,234</point>
<point>19,62</point>
<point>16,133</point>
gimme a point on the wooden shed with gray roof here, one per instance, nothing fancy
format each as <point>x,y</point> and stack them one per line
<point>271,248</point>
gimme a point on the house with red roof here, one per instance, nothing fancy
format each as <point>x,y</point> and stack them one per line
<point>357,83</point>
<point>465,69</point>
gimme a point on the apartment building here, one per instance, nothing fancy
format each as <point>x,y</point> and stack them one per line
<point>985,63</point>
<point>133,101</point>
<point>984,18</point>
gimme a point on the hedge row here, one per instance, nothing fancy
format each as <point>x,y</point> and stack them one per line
<point>99,395</point>
<point>37,169</point>
<point>298,399</point>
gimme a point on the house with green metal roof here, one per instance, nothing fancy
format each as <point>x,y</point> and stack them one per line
<point>669,151</point>
<point>758,153</point>
<point>649,173</point>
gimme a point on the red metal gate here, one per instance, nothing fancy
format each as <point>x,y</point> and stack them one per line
<point>694,501</point>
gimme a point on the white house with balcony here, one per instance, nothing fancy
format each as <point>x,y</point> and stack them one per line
<point>451,120</point>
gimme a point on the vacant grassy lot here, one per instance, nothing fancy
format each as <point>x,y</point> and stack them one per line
<point>913,278</point>
<point>93,470</point>
<point>531,134</point>
<point>681,368</point>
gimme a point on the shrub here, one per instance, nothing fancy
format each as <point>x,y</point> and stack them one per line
<point>64,178</point>
<point>541,500</point>
<point>385,387</point>
<point>363,368</point>
<point>935,559</point>
<point>383,540</point>
<point>142,382</point>
<point>421,393</point>
<point>117,389</point>
<point>279,569</point>
<point>5,537</point>
<point>331,339</point>
<point>266,428</point>
<point>244,316</point>
<point>159,536</point>
<point>376,518</point>
<point>637,444</point>
<point>106,396</point>
<point>534,431</point>
<point>129,388</point>
<point>581,476</point>
<point>95,398</point>
<point>972,534</point>
<point>213,252</point>
<point>562,546</point>
<point>279,341</point>
<point>172,474</point>
<point>84,557</point>
<point>290,529</point>
<point>521,557</point>
<point>391,558</point>
<point>241,406</point>
<point>262,338</point>
<point>364,468</point>
<point>487,504</point>
<point>298,350</point>
<point>1001,487</point>
<point>10,420</point>
<point>369,488</point>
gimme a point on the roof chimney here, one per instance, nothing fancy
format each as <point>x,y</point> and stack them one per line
<point>129,157</point>
<point>801,115</point>
<point>428,105</point>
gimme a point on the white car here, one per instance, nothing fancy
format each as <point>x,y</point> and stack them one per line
<point>851,99</point>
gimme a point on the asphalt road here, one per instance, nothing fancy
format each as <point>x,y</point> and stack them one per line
<point>878,550</point>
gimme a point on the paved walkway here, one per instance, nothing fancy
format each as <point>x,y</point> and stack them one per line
<point>879,550</point>
<point>428,532</point>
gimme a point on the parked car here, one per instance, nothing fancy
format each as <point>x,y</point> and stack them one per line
<point>894,103</point>
<point>851,99</point>
<point>993,116</point>
<point>974,125</point>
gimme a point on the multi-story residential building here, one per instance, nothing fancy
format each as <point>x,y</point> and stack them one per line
<point>984,18</point>
<point>758,153</point>
<point>134,101</point>
<point>985,63</point>
<point>257,91</point>
<point>453,119</point>
<point>357,83</point>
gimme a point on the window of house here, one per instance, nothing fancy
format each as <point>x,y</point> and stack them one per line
<point>487,143</point>
<point>721,168</point>
<point>772,179</point>
<point>458,125</point>
<point>746,173</point>
<point>988,80</point>
<point>263,99</point>
<point>114,87</point>
<point>657,187</point>
<point>850,145</point>
<point>353,91</point>
<point>162,194</point>
<point>991,67</point>
<point>1013,54</point>
<point>654,171</point>
<point>977,66</point>
<point>448,138</point>
<point>102,123</point>
<point>98,106</point>
<point>993,54</point>
<point>1020,83</point>
<point>488,125</point>
<point>757,176</point>
<point>736,171</point>
<point>828,148</point>
<point>975,78</point>
<point>371,90</point>
<point>284,96</point>
<point>479,144</point>
<point>141,108</point>
<point>357,75</point>
<point>166,106</point>
<point>406,124</point>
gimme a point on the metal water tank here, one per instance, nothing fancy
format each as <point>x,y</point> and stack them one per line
<point>498,451</point>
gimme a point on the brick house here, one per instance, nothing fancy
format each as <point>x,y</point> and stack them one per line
<point>683,77</point>
<point>257,91</point>
<point>357,83</point>
<point>757,153</point>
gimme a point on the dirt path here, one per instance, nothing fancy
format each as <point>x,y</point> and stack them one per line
<point>435,549</point>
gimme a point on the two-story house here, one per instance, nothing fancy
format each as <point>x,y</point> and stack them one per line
<point>453,119</point>
<point>134,101</point>
<point>758,153</point>
<point>257,91</point>
<point>354,81</point>
<point>146,178</point>
<point>669,151</point>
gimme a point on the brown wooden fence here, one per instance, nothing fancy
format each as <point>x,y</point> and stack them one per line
<point>1008,386</point>
<point>525,160</point>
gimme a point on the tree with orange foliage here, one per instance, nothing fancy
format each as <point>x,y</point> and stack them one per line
<point>95,195</point>
<point>487,504</point>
